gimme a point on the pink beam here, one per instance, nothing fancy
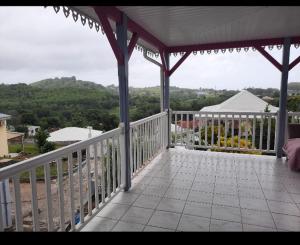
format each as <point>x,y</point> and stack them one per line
<point>132,43</point>
<point>110,35</point>
<point>115,14</point>
<point>269,57</point>
<point>179,62</point>
<point>294,63</point>
<point>234,44</point>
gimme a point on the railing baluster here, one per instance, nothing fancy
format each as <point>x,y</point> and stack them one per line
<point>71,186</point>
<point>194,121</point>
<point>102,172</point>
<point>246,131</point>
<point>48,196</point>
<point>232,131</point>
<point>206,129</point>
<point>253,131</point>
<point>114,163</point>
<point>131,149</point>
<point>275,137</point>
<point>175,138</point>
<point>261,132</point>
<point>34,202</point>
<point>269,133</point>
<point>60,194</point>
<point>226,131</point>
<point>219,130</point>
<point>89,180</point>
<point>200,128</point>
<point>108,168</point>
<point>118,162</point>
<point>81,208</point>
<point>181,130</point>
<point>239,135</point>
<point>212,130</point>
<point>96,174</point>
<point>18,203</point>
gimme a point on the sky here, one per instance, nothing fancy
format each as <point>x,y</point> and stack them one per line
<point>36,43</point>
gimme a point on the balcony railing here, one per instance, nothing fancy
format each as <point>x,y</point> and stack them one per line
<point>227,131</point>
<point>63,189</point>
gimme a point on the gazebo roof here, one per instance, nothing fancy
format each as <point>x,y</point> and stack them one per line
<point>182,28</point>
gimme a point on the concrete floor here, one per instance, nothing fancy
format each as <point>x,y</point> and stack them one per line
<point>185,190</point>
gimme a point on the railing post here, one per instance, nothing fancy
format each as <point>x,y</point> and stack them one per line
<point>283,97</point>
<point>169,128</point>
<point>121,30</point>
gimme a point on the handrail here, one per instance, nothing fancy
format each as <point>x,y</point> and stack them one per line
<point>141,121</point>
<point>53,155</point>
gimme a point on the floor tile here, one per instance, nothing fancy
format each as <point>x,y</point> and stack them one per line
<point>99,224</point>
<point>147,201</point>
<point>254,203</point>
<point>224,225</point>
<point>280,196</point>
<point>177,193</point>
<point>225,189</point>
<point>124,226</point>
<point>226,213</point>
<point>124,198</point>
<point>193,223</point>
<point>198,209</point>
<point>171,205</point>
<point>284,208</point>
<point>113,211</point>
<point>199,196</point>
<point>149,228</point>
<point>260,218</point>
<point>155,190</point>
<point>255,228</point>
<point>203,186</point>
<point>295,197</point>
<point>227,200</point>
<point>164,219</point>
<point>287,222</point>
<point>137,215</point>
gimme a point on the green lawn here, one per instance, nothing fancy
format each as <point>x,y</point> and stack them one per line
<point>28,148</point>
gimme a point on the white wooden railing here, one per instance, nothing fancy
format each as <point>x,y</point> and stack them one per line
<point>232,131</point>
<point>148,137</point>
<point>75,182</point>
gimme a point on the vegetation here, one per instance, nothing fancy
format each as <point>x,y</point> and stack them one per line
<point>30,149</point>
<point>42,143</point>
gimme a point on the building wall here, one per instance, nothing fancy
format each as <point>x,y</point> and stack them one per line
<point>3,139</point>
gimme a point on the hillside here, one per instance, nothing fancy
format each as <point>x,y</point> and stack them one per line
<point>66,102</point>
<point>294,86</point>
<point>65,82</point>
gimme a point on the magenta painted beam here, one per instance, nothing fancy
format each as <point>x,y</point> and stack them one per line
<point>294,63</point>
<point>179,62</point>
<point>114,14</point>
<point>109,34</point>
<point>269,57</point>
<point>226,45</point>
<point>132,43</point>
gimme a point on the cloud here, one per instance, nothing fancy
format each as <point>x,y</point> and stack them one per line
<point>36,44</point>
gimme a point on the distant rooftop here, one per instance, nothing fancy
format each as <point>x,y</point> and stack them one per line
<point>244,101</point>
<point>72,134</point>
<point>4,116</point>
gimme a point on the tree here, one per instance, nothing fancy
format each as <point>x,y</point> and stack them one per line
<point>41,140</point>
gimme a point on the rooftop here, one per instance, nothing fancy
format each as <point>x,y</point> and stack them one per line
<point>4,116</point>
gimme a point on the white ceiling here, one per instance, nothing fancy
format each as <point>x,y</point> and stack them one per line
<point>188,25</point>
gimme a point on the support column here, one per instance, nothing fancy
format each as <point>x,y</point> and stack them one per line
<point>121,31</point>
<point>283,97</point>
<point>162,89</point>
<point>167,93</point>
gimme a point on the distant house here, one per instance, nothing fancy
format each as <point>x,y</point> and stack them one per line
<point>3,135</point>
<point>70,135</point>
<point>32,130</point>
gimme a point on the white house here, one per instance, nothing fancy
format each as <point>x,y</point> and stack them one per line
<point>32,130</point>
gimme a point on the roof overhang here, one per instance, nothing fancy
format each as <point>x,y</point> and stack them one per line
<point>198,28</point>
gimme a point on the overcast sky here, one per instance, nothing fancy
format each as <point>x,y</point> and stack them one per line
<point>36,43</point>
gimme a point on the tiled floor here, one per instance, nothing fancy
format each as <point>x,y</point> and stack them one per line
<point>184,190</point>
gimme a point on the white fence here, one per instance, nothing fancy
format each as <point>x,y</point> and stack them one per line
<point>230,131</point>
<point>74,182</point>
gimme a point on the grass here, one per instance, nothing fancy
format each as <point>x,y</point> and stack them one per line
<point>31,149</point>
